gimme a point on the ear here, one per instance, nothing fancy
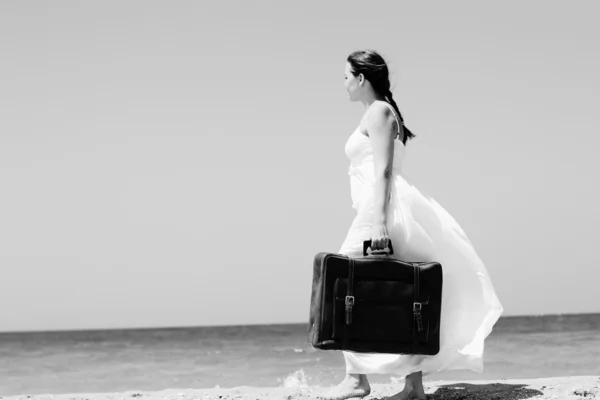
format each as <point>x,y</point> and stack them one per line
<point>361,79</point>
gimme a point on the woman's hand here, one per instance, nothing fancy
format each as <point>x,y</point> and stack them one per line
<point>379,237</point>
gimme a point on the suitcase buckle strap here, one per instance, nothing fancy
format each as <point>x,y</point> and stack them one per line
<point>349,302</point>
<point>417,307</point>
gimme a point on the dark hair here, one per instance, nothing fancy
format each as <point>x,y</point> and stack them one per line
<point>372,65</point>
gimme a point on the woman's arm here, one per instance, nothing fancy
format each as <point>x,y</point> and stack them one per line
<point>380,128</point>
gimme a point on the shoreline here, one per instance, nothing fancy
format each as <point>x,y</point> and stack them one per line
<point>555,388</point>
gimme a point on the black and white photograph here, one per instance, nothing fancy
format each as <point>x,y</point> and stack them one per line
<point>299,200</point>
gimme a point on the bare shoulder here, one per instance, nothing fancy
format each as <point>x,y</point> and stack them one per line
<point>380,119</point>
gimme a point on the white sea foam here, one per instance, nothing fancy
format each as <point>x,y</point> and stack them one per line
<point>296,379</point>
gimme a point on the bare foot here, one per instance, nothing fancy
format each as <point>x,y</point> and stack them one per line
<point>413,389</point>
<point>408,394</point>
<point>353,385</point>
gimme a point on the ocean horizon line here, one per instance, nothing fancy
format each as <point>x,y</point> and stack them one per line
<point>252,325</point>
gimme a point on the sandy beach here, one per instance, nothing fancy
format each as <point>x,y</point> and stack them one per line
<point>559,388</point>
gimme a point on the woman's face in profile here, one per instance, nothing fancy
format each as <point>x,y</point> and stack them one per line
<point>350,81</point>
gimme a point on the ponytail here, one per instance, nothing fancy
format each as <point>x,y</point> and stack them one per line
<point>407,133</point>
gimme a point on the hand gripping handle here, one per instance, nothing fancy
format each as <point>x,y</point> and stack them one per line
<point>367,245</point>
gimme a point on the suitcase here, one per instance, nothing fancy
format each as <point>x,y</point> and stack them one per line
<point>375,304</point>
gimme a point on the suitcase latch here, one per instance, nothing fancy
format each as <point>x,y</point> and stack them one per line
<point>417,307</point>
<point>349,304</point>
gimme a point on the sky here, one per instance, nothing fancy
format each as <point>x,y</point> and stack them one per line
<point>181,163</point>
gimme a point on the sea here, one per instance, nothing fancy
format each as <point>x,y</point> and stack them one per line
<point>264,356</point>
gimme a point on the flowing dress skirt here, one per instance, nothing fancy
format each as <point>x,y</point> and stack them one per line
<point>422,230</point>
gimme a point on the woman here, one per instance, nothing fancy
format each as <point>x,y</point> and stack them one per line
<point>390,208</point>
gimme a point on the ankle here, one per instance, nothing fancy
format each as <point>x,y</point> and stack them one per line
<point>360,379</point>
<point>414,381</point>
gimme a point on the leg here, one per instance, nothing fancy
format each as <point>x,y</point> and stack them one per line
<point>413,388</point>
<point>353,385</point>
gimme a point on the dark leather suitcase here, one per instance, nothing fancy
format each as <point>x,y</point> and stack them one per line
<point>375,304</point>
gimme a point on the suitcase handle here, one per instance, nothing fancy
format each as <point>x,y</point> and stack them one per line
<point>367,245</point>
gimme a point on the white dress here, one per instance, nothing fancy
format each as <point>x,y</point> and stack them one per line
<point>422,230</point>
